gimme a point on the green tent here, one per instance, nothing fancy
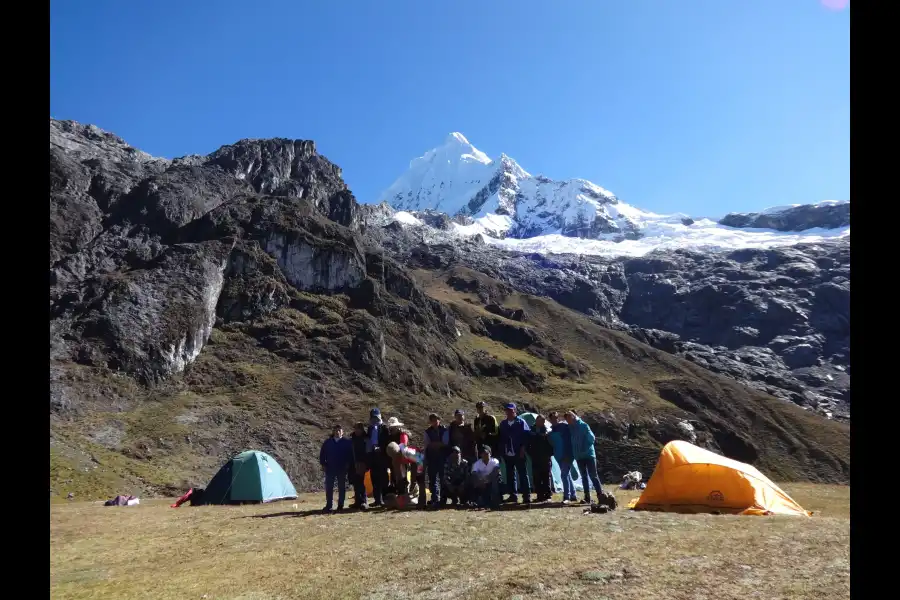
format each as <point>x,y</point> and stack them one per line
<point>251,476</point>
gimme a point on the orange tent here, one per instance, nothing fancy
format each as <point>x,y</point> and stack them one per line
<point>689,479</point>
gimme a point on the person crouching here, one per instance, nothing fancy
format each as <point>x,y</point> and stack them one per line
<point>456,475</point>
<point>485,480</point>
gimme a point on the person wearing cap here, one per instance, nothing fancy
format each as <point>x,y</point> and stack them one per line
<point>437,438</point>
<point>376,456</point>
<point>359,466</point>
<point>456,475</point>
<point>486,428</point>
<point>462,436</point>
<point>335,457</point>
<point>399,436</point>
<point>485,480</point>
<point>585,455</point>
<point>561,439</point>
<point>513,441</point>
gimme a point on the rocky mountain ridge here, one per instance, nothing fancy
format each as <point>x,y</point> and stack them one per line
<point>203,305</point>
<point>830,214</point>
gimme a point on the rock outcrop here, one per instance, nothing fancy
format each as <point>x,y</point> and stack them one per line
<point>824,215</point>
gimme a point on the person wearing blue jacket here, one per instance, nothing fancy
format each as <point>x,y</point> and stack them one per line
<point>335,457</point>
<point>561,438</point>
<point>514,438</point>
<point>585,455</point>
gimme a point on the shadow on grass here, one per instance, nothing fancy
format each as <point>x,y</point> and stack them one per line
<point>502,508</point>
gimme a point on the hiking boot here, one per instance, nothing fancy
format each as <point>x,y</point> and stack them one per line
<point>340,509</point>
<point>510,500</point>
<point>327,510</point>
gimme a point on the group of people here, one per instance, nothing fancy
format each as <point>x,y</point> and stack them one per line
<point>460,462</point>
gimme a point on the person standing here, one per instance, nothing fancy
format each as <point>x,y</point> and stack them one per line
<point>485,480</point>
<point>376,456</point>
<point>359,466</point>
<point>541,451</point>
<point>486,429</point>
<point>513,441</point>
<point>437,439</point>
<point>462,436</point>
<point>585,455</point>
<point>561,438</point>
<point>335,457</point>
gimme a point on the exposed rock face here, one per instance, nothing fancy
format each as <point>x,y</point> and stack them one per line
<point>825,215</point>
<point>291,168</point>
<point>149,322</point>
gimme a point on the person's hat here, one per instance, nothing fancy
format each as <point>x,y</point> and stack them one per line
<point>510,406</point>
<point>454,450</point>
<point>374,413</point>
<point>486,449</point>
<point>458,411</point>
<point>394,422</point>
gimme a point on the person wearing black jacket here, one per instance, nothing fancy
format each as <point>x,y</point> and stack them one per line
<point>437,442</point>
<point>376,456</point>
<point>541,450</point>
<point>358,466</point>
<point>486,429</point>
<point>463,436</point>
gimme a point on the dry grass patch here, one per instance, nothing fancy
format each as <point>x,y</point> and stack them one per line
<point>273,552</point>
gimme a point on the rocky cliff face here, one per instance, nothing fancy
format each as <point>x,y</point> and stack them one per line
<point>203,305</point>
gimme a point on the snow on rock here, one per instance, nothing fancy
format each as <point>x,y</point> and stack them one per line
<point>407,218</point>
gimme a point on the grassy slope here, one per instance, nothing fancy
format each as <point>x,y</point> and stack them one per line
<point>273,552</point>
<point>239,395</point>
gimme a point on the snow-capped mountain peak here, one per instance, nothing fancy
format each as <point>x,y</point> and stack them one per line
<point>502,198</point>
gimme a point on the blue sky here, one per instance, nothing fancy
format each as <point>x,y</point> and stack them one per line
<point>696,106</point>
